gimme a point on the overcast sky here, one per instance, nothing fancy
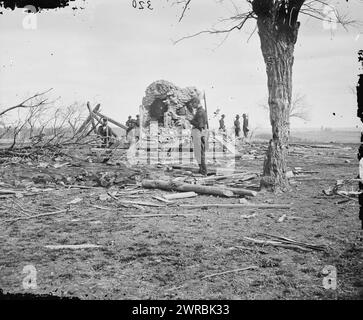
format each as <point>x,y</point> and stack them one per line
<point>110,52</point>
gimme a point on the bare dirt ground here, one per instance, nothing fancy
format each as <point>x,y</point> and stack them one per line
<point>167,257</point>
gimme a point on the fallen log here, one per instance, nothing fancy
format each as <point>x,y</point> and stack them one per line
<point>236,205</point>
<point>237,176</point>
<point>185,187</point>
<point>243,192</point>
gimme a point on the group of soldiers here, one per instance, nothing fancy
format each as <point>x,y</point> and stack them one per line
<point>106,133</point>
<point>199,124</point>
<point>237,125</point>
<point>132,123</point>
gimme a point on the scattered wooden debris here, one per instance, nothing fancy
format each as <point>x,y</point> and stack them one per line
<point>162,200</point>
<point>192,169</point>
<point>182,195</point>
<point>72,246</point>
<point>74,186</point>
<point>184,187</point>
<point>237,176</point>
<point>248,216</point>
<point>237,205</point>
<point>341,188</point>
<point>159,215</point>
<point>243,192</point>
<point>287,243</point>
<point>275,243</point>
<point>75,201</point>
<point>103,208</point>
<point>140,203</point>
<point>250,249</point>
<point>37,216</point>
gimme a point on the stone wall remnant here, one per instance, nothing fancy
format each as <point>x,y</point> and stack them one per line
<point>168,104</point>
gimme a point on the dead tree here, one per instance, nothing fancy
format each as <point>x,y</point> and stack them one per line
<point>278,26</point>
<point>44,124</point>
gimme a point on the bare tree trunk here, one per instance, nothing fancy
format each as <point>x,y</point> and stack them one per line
<point>277,45</point>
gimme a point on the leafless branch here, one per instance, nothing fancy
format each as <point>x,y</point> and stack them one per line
<point>316,9</point>
<point>238,26</point>
<point>184,9</point>
<point>22,104</point>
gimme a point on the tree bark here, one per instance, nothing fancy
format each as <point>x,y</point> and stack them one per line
<point>278,36</point>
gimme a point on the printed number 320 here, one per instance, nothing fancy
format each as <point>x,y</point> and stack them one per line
<point>142,4</point>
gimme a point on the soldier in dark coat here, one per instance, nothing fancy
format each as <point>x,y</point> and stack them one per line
<point>106,133</point>
<point>245,125</point>
<point>237,126</point>
<point>130,124</point>
<point>222,126</point>
<point>199,123</point>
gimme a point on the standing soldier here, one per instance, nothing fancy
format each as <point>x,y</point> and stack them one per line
<point>222,126</point>
<point>129,124</point>
<point>106,133</point>
<point>245,125</point>
<point>137,127</point>
<point>199,123</point>
<point>129,121</point>
<point>237,126</point>
<point>137,121</point>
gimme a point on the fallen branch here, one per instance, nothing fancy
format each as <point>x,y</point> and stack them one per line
<point>276,244</point>
<point>72,246</point>
<point>103,208</point>
<point>160,215</point>
<point>182,195</point>
<point>162,199</point>
<point>237,176</point>
<point>184,187</point>
<point>287,240</point>
<point>236,205</point>
<point>140,203</point>
<point>37,216</point>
